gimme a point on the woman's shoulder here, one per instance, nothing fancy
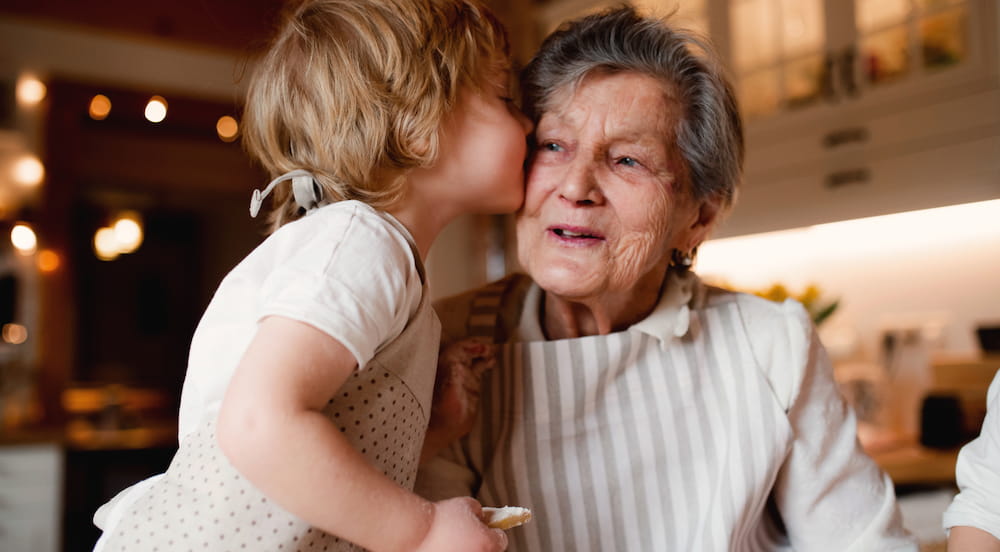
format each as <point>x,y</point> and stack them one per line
<point>779,335</point>
<point>756,310</point>
<point>495,303</point>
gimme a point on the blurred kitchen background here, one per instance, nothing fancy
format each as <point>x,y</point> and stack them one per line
<point>872,194</point>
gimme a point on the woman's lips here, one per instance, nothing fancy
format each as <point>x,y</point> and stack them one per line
<point>577,235</point>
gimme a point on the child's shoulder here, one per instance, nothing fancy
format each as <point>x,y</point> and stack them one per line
<point>343,220</point>
<point>351,230</point>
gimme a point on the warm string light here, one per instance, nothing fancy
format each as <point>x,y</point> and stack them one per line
<point>28,171</point>
<point>227,128</point>
<point>124,235</point>
<point>15,334</point>
<point>100,107</point>
<point>30,91</point>
<point>156,109</point>
<point>23,238</point>
<point>48,261</point>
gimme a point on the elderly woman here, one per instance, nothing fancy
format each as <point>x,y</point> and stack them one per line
<point>631,407</point>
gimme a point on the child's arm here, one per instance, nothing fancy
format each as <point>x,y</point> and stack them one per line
<point>971,539</point>
<point>273,431</point>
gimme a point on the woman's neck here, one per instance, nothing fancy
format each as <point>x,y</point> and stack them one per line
<point>564,318</point>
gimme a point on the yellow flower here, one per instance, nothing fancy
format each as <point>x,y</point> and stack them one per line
<point>777,293</point>
<point>810,295</point>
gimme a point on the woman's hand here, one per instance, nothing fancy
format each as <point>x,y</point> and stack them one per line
<point>458,526</point>
<point>461,366</point>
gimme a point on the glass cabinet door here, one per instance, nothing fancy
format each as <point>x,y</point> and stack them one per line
<point>777,53</point>
<point>690,14</point>
<point>902,38</point>
<point>786,54</point>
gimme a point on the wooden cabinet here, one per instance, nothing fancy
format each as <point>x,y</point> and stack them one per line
<point>30,497</point>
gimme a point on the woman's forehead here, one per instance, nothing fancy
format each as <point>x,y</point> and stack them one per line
<point>629,103</point>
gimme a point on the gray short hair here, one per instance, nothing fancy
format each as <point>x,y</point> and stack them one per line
<point>709,136</point>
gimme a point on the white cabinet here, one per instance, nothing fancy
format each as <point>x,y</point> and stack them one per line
<point>30,497</point>
<point>904,114</point>
<point>853,162</point>
<point>853,108</point>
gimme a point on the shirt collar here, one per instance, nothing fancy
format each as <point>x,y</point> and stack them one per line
<point>670,319</point>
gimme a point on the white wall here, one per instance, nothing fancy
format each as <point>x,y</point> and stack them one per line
<point>939,266</point>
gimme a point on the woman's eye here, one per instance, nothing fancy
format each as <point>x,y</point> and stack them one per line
<point>551,146</point>
<point>628,161</point>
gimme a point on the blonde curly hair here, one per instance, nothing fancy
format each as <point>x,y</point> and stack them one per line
<point>355,91</point>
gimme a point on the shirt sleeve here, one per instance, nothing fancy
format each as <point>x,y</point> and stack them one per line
<point>353,278</point>
<point>978,474</point>
<point>830,494</point>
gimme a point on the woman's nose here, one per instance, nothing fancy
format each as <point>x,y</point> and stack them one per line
<point>580,184</point>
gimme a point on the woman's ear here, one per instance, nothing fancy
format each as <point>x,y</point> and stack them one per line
<point>707,213</point>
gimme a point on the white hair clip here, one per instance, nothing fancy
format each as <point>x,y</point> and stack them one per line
<point>303,188</point>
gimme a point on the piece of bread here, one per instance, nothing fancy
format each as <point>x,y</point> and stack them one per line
<point>506,517</point>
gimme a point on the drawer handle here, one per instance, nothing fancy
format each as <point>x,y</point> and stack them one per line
<point>837,138</point>
<point>840,179</point>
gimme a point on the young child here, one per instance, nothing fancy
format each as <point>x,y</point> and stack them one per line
<point>310,375</point>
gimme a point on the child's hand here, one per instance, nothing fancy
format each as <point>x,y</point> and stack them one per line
<point>461,366</point>
<point>458,527</point>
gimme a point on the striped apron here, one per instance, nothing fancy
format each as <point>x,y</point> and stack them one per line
<point>619,443</point>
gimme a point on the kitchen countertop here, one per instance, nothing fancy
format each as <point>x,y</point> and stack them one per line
<point>913,464</point>
<point>83,436</point>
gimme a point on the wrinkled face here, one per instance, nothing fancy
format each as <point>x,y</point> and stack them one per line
<point>605,203</point>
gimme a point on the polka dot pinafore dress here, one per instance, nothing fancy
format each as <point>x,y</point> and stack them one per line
<point>203,503</point>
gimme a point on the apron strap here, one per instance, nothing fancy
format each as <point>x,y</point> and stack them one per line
<point>485,319</point>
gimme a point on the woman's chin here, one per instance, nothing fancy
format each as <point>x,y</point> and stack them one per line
<point>565,280</point>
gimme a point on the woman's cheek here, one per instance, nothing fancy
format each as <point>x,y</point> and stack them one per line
<point>633,257</point>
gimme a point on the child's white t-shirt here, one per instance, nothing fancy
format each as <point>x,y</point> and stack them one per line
<point>345,269</point>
